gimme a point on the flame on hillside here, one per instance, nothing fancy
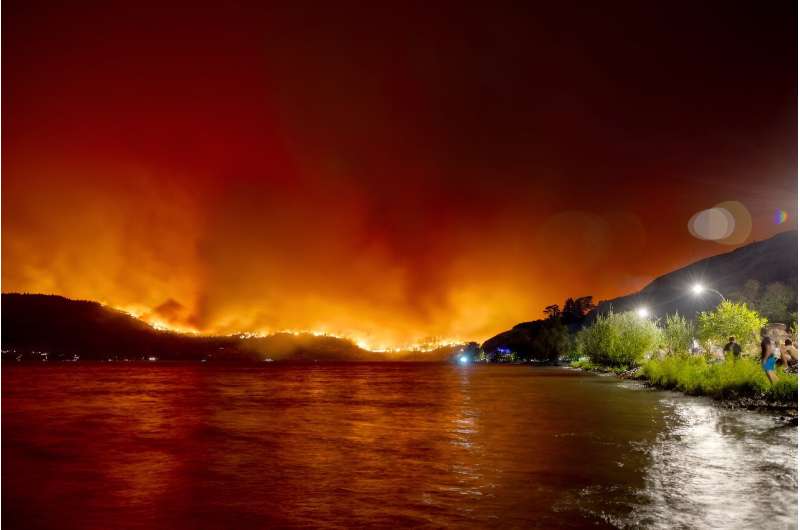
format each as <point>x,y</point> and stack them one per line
<point>432,343</point>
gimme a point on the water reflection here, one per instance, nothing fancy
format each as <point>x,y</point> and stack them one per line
<point>378,445</point>
<point>718,468</point>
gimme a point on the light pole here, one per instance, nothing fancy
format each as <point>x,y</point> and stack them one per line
<point>698,289</point>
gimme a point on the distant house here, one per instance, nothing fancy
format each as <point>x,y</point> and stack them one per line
<point>501,355</point>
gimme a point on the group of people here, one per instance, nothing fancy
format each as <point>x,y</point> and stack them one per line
<point>771,354</point>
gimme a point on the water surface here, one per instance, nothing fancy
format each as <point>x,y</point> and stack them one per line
<point>95,446</point>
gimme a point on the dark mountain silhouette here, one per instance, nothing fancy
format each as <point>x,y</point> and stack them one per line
<point>36,324</point>
<point>772,260</point>
<point>540,340</point>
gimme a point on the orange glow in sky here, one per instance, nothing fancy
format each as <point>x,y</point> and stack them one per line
<point>395,178</point>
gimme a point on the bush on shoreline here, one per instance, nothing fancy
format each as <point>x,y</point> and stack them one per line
<point>678,334</point>
<point>618,339</point>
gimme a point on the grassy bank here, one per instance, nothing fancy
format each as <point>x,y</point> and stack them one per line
<point>728,379</point>
<point>696,376</point>
<point>588,365</point>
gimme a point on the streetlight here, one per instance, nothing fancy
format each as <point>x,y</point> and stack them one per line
<point>643,312</point>
<point>698,289</point>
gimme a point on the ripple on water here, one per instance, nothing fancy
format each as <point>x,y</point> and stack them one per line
<point>719,468</point>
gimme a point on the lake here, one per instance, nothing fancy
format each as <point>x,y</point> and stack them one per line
<point>379,445</point>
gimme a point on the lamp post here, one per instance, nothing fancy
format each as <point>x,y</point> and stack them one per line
<point>698,289</point>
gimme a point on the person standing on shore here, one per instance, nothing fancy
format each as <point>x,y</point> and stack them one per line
<point>767,358</point>
<point>733,348</point>
<point>789,355</point>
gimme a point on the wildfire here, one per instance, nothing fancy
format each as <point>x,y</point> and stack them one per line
<point>146,315</point>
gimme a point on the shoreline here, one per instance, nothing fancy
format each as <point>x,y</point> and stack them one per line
<point>788,411</point>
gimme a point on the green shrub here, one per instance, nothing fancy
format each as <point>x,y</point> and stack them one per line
<point>575,348</point>
<point>678,333</point>
<point>584,364</point>
<point>696,376</point>
<point>596,339</point>
<point>776,302</point>
<point>730,318</point>
<point>618,339</point>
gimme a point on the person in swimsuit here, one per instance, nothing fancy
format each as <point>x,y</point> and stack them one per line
<point>768,359</point>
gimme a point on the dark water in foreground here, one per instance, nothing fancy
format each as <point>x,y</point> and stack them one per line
<point>379,445</point>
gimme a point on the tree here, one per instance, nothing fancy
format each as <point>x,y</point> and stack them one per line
<point>730,318</point>
<point>473,351</point>
<point>569,308</point>
<point>552,311</point>
<point>549,341</point>
<point>776,301</point>
<point>678,334</point>
<point>584,305</point>
<point>748,294</point>
<point>576,309</point>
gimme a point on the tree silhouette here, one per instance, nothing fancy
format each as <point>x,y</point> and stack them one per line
<point>575,309</point>
<point>552,311</point>
<point>584,305</point>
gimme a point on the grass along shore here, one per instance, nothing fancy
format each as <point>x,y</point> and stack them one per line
<point>695,375</point>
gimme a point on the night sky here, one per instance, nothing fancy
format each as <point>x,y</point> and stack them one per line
<point>389,173</point>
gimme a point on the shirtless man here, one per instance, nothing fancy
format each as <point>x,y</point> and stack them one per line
<point>789,354</point>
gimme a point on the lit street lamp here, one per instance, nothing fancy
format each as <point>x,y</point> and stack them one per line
<point>698,289</point>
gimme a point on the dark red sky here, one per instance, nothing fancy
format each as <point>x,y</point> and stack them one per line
<point>386,173</point>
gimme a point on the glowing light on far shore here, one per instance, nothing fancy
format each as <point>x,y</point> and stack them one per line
<point>463,359</point>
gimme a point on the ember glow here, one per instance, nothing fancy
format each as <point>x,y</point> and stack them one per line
<point>400,177</point>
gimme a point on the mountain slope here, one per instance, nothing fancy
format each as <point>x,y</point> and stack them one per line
<point>771,260</point>
<point>64,328</point>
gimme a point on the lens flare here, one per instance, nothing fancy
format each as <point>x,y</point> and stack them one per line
<point>712,224</point>
<point>742,222</point>
<point>781,216</point>
<point>727,223</point>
